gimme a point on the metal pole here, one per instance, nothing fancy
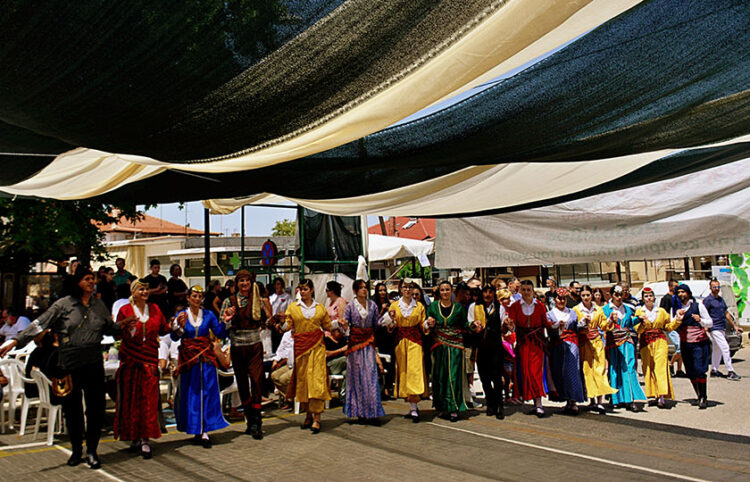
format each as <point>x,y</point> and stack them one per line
<point>206,247</point>
<point>242,238</point>
<point>300,227</point>
<point>686,265</point>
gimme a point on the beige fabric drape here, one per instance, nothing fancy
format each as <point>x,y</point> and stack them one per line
<point>513,33</point>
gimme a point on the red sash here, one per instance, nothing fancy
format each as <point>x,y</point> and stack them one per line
<point>360,338</point>
<point>304,342</point>
<point>569,336</point>
<point>146,354</point>
<point>650,336</point>
<point>448,337</point>
<point>193,351</point>
<point>617,337</point>
<point>411,333</point>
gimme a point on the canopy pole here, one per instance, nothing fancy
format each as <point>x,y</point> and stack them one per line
<point>242,238</point>
<point>206,247</point>
<point>301,231</point>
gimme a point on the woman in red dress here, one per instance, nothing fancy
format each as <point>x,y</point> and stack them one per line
<point>138,400</point>
<point>530,319</point>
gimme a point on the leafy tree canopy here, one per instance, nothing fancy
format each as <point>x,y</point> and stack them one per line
<point>285,227</point>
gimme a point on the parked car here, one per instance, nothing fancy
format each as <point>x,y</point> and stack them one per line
<point>701,289</point>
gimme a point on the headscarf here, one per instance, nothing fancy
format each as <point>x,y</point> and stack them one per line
<point>684,288</point>
<point>561,292</point>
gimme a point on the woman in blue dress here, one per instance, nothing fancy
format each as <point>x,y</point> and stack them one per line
<point>197,402</point>
<point>565,359</point>
<point>621,351</point>
<point>362,389</point>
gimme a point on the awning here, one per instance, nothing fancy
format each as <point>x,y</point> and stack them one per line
<point>392,247</point>
<point>240,105</point>
<point>696,214</point>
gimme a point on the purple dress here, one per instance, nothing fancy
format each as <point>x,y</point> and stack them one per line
<point>362,389</point>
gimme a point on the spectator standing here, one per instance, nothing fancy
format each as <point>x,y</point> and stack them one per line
<point>105,288</point>
<point>551,293</point>
<point>514,286</point>
<point>157,286</point>
<point>177,290</point>
<point>720,315</point>
<point>574,294</point>
<point>121,275</point>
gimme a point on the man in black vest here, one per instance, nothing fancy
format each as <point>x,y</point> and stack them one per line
<point>245,315</point>
<point>693,339</point>
<point>487,318</point>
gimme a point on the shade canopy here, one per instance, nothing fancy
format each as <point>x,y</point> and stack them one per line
<point>147,102</point>
<point>391,247</point>
<point>692,215</point>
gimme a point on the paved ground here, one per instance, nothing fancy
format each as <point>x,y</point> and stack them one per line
<point>681,443</point>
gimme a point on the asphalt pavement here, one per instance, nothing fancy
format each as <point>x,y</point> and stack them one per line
<point>678,443</point>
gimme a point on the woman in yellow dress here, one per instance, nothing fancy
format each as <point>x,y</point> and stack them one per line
<point>309,385</point>
<point>408,320</point>
<point>652,321</point>
<point>591,348</point>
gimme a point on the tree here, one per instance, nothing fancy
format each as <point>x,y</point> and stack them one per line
<point>33,230</point>
<point>285,227</point>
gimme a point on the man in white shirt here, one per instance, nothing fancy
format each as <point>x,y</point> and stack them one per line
<point>283,364</point>
<point>12,323</point>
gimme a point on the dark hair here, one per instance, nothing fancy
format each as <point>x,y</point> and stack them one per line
<point>672,280</point>
<point>119,259</point>
<point>132,278</point>
<point>443,282</point>
<point>587,288</point>
<point>155,262</point>
<point>110,270</point>
<point>512,279</point>
<point>572,283</point>
<point>527,282</point>
<point>377,296</point>
<point>307,282</point>
<point>262,289</point>
<point>358,283</point>
<point>334,286</point>
<point>123,291</point>
<point>11,311</point>
<point>462,286</point>
<point>228,283</point>
<point>279,278</point>
<point>714,280</point>
<point>421,295</point>
<point>402,283</point>
<point>393,295</point>
<point>171,268</point>
<point>488,288</point>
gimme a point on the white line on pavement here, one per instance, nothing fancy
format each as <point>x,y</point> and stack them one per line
<point>22,446</point>
<point>99,471</point>
<point>565,452</point>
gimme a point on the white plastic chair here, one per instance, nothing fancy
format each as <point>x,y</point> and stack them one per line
<point>13,370</point>
<point>45,403</point>
<point>18,371</point>
<point>231,388</point>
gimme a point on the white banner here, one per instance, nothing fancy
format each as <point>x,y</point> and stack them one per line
<point>698,214</point>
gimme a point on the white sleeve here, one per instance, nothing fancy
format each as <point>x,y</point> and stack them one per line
<point>471,315</point>
<point>706,321</point>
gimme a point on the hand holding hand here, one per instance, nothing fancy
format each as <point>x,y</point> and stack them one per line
<point>229,314</point>
<point>697,317</point>
<point>181,319</point>
<point>431,322</point>
<point>129,321</point>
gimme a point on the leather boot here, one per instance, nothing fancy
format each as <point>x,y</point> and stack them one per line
<point>254,423</point>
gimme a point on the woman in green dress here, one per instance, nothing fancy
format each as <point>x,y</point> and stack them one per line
<point>448,320</point>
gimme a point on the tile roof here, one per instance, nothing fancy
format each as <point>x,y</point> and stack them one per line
<point>152,226</point>
<point>405,227</point>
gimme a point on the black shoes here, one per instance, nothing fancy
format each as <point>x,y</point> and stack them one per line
<point>75,459</point>
<point>702,403</point>
<point>717,374</point>
<point>93,461</point>
<point>453,417</point>
<point>491,411</point>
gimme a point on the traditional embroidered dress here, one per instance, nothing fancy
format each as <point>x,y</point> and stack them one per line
<point>694,343</point>
<point>565,360</point>
<point>654,350</point>
<point>138,400</point>
<point>621,355</point>
<point>310,377</point>
<point>362,389</point>
<point>197,403</point>
<point>530,321</point>
<point>592,352</point>
<point>410,382</point>
<point>448,356</point>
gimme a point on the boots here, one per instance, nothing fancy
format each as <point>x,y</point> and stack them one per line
<point>702,398</point>
<point>254,422</point>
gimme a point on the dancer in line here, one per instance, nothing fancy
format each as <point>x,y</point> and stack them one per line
<point>362,398</point>
<point>651,323</point>
<point>198,402</point>
<point>307,319</point>
<point>591,347</point>
<point>447,319</point>
<point>565,360</point>
<point>408,317</point>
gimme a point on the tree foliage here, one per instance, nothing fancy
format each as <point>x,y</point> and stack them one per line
<point>33,230</point>
<point>285,227</point>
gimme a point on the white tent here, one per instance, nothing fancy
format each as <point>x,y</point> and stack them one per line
<point>391,247</point>
<point>697,214</point>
